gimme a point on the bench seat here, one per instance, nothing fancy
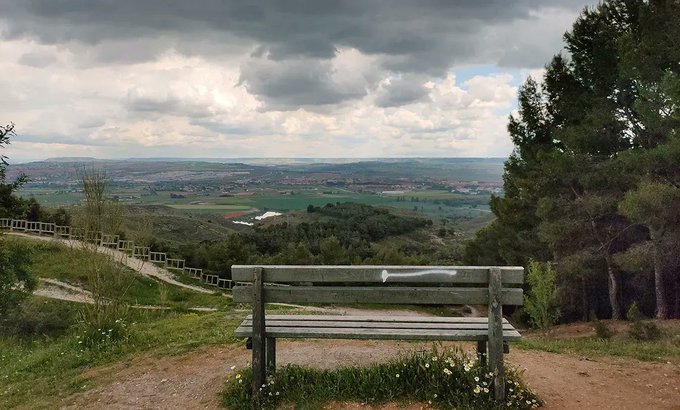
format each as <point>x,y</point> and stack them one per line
<point>376,327</point>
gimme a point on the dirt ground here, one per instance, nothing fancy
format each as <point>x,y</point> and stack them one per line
<point>194,380</point>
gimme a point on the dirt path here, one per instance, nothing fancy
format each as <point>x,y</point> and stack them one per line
<point>56,289</point>
<point>194,380</point>
<point>143,267</point>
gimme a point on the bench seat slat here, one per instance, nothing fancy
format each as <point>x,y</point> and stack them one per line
<point>393,334</point>
<point>379,274</point>
<point>374,294</point>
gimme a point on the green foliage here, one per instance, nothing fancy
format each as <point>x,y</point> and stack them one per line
<point>602,331</point>
<point>39,318</point>
<point>639,328</point>
<point>540,304</point>
<point>594,170</point>
<point>445,378</point>
<point>16,283</point>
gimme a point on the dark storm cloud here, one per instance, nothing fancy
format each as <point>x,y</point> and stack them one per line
<point>423,37</point>
<point>293,83</point>
<point>402,91</point>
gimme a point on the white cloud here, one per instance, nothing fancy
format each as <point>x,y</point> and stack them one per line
<point>100,91</point>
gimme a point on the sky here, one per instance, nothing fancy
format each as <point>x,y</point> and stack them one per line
<point>270,78</point>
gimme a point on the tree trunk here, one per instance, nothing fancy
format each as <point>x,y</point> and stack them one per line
<point>613,282</point>
<point>662,311</point>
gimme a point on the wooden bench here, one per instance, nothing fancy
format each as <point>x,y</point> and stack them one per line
<point>422,285</point>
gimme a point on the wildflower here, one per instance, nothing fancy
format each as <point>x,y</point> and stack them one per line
<point>277,393</point>
<point>486,390</point>
<point>435,395</point>
<point>447,372</point>
<point>477,390</point>
<point>397,375</point>
<point>427,365</point>
<point>528,401</point>
<point>434,358</point>
<point>476,378</point>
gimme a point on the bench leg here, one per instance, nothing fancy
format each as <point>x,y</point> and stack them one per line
<point>271,354</point>
<point>481,351</point>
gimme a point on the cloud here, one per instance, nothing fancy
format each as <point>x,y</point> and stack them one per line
<point>401,91</point>
<point>310,78</point>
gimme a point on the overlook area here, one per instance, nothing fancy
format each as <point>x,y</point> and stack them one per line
<point>316,205</point>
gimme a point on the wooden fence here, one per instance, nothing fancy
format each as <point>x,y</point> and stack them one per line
<point>114,242</point>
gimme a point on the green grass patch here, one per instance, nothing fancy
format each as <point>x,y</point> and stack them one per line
<point>40,372</point>
<point>57,261</point>
<point>445,378</point>
<point>664,349</point>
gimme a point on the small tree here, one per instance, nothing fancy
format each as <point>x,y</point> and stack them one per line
<point>105,277</point>
<point>541,302</point>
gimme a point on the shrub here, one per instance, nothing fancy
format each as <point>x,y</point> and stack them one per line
<point>640,329</point>
<point>39,318</point>
<point>602,331</point>
<point>541,302</point>
<point>446,379</point>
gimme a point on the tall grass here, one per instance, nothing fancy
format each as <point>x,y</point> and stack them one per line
<point>444,378</point>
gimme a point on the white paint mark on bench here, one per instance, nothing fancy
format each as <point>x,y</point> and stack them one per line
<point>385,274</point>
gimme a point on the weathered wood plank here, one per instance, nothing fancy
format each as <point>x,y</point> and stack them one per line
<point>380,318</point>
<point>496,333</point>
<point>271,354</point>
<point>375,325</point>
<point>384,334</point>
<point>258,331</point>
<point>375,294</point>
<point>511,275</point>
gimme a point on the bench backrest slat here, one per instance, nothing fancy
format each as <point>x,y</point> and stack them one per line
<point>382,295</point>
<point>434,285</point>
<point>379,274</point>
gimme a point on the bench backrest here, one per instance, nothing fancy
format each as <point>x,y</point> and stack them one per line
<point>440,285</point>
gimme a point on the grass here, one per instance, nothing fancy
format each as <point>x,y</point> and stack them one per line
<point>443,378</point>
<point>621,344</point>
<point>57,261</point>
<point>38,373</point>
<point>665,349</point>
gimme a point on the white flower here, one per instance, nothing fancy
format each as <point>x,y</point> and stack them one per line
<point>233,367</point>
<point>477,390</point>
<point>476,378</point>
<point>447,372</point>
<point>427,365</point>
<point>238,376</point>
<point>486,390</point>
<point>397,375</point>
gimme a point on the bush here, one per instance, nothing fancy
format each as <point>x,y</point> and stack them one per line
<point>602,331</point>
<point>16,282</point>
<point>640,329</point>
<point>541,302</point>
<point>39,318</point>
<point>446,379</point>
